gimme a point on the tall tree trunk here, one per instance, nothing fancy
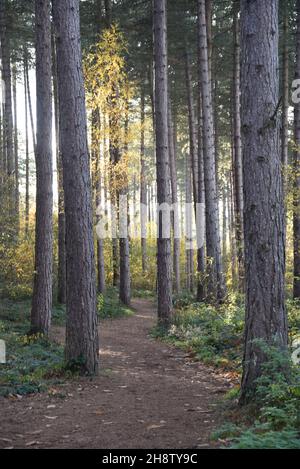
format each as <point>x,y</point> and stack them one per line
<point>42,287</point>
<point>108,12</point>
<point>114,158</point>
<point>164,271</point>
<point>6,78</point>
<point>175,215</point>
<point>61,271</point>
<point>232,238</point>
<point>143,186</point>
<point>26,153</point>
<point>114,152</point>
<point>237,160</point>
<point>188,223</point>
<point>82,344</point>
<point>135,210</point>
<point>30,103</point>
<point>125,289</point>
<point>263,198</point>
<point>201,191</point>
<point>16,151</point>
<point>192,163</point>
<point>224,226</point>
<point>192,129</point>
<point>285,94</point>
<point>296,165</point>
<point>208,18</point>
<point>96,155</point>
<point>2,162</point>
<point>216,288</point>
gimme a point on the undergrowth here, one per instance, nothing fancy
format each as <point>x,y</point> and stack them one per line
<point>30,361</point>
<point>214,335</point>
<point>272,420</point>
<point>110,307</point>
<point>33,363</point>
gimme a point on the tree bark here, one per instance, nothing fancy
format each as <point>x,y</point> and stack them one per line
<point>82,344</point>
<point>192,129</point>
<point>26,152</point>
<point>285,98</point>
<point>224,226</point>
<point>164,271</point>
<point>96,154</point>
<point>42,288</point>
<point>175,215</point>
<point>125,288</point>
<point>6,77</point>
<point>143,187</point>
<point>208,17</point>
<point>296,167</point>
<point>30,104</point>
<point>192,163</point>
<point>108,12</point>
<point>201,190</point>
<point>188,222</point>
<point>215,285</point>
<point>61,271</point>
<point>263,196</point>
<point>16,152</point>
<point>237,160</point>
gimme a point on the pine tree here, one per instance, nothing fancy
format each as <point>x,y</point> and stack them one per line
<point>263,195</point>
<point>164,275</point>
<point>42,289</point>
<point>82,347</point>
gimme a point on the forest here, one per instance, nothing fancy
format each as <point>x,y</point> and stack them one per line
<point>150,224</point>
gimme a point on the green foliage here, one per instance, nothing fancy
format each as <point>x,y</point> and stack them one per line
<point>214,334</point>
<point>147,280</point>
<point>276,417</point>
<point>17,268</point>
<point>183,299</point>
<point>59,315</point>
<point>285,439</point>
<point>30,360</point>
<point>110,307</point>
<point>141,293</point>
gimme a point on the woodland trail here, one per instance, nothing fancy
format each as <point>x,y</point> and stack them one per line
<point>148,395</point>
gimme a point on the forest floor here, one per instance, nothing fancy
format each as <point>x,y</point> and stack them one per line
<point>147,395</point>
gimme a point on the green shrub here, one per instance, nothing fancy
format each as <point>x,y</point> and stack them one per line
<point>276,421</point>
<point>110,307</point>
<point>29,361</point>
<point>214,334</point>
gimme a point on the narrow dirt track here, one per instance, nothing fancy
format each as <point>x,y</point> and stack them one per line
<point>148,395</point>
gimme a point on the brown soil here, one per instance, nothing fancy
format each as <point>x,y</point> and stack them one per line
<point>148,395</point>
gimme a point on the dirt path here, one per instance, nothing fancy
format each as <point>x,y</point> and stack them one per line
<point>148,395</point>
